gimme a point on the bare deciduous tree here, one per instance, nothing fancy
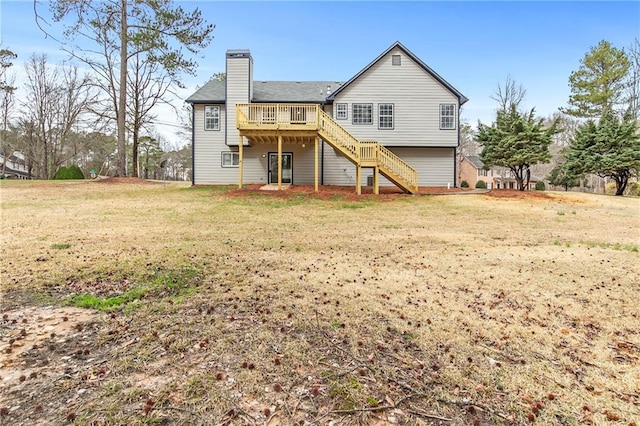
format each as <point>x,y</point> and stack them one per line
<point>122,29</point>
<point>634,78</point>
<point>467,147</point>
<point>56,98</point>
<point>509,94</point>
<point>7,101</point>
<point>147,85</point>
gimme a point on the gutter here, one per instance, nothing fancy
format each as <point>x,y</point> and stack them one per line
<point>322,157</point>
<point>193,145</point>
<point>455,152</point>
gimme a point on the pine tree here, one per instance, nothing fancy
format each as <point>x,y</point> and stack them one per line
<point>122,29</point>
<point>608,148</point>
<point>599,85</point>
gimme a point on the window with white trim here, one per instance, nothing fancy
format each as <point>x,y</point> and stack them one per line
<point>385,116</point>
<point>211,117</point>
<point>341,111</point>
<point>230,159</point>
<point>396,60</point>
<point>362,113</point>
<point>447,116</point>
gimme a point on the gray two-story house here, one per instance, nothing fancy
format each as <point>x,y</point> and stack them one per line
<point>396,118</point>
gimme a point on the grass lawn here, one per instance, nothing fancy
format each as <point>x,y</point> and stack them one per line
<point>143,303</point>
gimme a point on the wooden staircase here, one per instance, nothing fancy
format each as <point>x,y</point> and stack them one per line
<point>261,121</point>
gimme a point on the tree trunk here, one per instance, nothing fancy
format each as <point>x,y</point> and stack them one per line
<point>134,152</point>
<point>46,159</point>
<point>121,167</point>
<point>621,184</point>
<point>528,179</point>
<point>517,172</point>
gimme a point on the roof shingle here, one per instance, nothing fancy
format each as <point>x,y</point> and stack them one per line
<point>270,91</point>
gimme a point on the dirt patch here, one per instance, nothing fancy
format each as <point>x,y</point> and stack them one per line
<point>344,192</point>
<point>41,348</point>
<point>517,195</point>
<point>124,180</point>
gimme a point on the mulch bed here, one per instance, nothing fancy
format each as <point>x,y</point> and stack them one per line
<point>348,192</point>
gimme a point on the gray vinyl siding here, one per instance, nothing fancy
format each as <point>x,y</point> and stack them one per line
<point>328,108</point>
<point>416,97</point>
<point>256,166</point>
<point>435,167</point>
<point>207,149</point>
<point>238,91</point>
<point>208,160</point>
<point>337,169</point>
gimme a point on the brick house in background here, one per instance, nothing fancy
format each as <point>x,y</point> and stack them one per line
<point>472,170</point>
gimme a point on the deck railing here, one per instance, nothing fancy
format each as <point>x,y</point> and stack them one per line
<point>368,151</point>
<point>277,115</point>
<point>390,162</point>
<point>311,117</point>
<point>335,133</point>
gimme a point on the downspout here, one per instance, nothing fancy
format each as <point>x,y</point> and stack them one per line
<point>193,144</point>
<point>455,153</point>
<point>322,157</point>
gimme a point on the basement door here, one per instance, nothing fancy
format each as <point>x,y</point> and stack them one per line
<point>287,167</point>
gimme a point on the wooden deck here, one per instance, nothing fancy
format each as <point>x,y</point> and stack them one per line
<point>307,124</point>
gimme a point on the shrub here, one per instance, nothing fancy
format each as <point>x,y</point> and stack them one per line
<point>464,184</point>
<point>71,172</point>
<point>481,184</point>
<point>540,186</point>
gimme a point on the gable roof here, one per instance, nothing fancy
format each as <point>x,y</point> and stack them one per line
<point>268,91</point>
<point>475,161</point>
<point>461,98</point>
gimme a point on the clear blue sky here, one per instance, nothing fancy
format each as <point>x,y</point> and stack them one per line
<point>473,45</point>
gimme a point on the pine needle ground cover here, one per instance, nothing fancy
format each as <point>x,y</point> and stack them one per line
<point>143,303</point>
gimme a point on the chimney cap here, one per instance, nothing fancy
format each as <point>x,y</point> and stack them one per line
<point>238,53</point>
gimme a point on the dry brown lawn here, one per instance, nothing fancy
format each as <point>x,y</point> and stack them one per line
<point>144,303</point>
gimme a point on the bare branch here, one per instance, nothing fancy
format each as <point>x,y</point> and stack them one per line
<point>508,95</point>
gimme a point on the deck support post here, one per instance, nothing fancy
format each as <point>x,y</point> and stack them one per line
<point>316,142</point>
<point>240,161</point>
<point>376,180</point>
<point>358,179</point>
<point>279,162</point>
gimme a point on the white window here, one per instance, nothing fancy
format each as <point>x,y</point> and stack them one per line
<point>395,60</point>
<point>211,117</point>
<point>341,111</point>
<point>447,116</point>
<point>362,113</point>
<point>230,159</point>
<point>385,116</point>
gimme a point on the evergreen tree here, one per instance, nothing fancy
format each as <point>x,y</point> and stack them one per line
<point>608,148</point>
<point>599,85</point>
<point>516,141</point>
<point>563,176</point>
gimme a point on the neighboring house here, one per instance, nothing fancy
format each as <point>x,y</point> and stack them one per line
<point>472,170</point>
<point>13,166</point>
<point>315,132</point>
